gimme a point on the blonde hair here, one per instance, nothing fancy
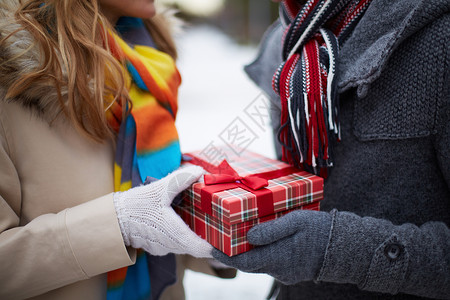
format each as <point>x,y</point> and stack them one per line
<point>73,40</point>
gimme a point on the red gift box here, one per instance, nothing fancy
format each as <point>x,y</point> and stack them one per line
<point>233,197</point>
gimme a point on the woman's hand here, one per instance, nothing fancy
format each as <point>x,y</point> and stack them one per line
<point>148,221</point>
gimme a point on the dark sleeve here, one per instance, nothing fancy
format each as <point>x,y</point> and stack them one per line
<point>381,257</point>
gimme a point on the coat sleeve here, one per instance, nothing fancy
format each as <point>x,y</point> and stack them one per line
<point>395,259</point>
<point>54,250</point>
<point>381,257</point>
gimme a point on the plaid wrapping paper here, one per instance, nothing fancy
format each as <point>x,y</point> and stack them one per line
<point>231,240</point>
<point>235,211</point>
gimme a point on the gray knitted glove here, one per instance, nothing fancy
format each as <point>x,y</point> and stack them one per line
<point>291,248</point>
<point>148,221</point>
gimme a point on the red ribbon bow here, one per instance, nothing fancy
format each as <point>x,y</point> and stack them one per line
<point>228,175</point>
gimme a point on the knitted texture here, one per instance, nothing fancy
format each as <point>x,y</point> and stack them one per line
<point>148,221</point>
<point>404,118</point>
<point>301,235</point>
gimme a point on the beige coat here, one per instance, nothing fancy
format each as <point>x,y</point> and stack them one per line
<point>59,230</point>
<point>59,233</point>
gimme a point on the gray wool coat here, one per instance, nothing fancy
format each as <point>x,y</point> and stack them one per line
<point>391,177</point>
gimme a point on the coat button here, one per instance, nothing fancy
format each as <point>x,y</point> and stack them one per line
<point>392,251</point>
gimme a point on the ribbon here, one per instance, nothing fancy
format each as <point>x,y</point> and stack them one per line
<point>228,175</point>
<point>224,177</point>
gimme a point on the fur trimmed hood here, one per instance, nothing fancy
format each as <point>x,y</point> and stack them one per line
<point>19,54</point>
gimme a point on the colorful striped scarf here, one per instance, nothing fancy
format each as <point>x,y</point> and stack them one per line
<point>147,142</point>
<point>306,81</point>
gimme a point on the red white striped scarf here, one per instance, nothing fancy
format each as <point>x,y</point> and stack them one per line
<point>306,81</point>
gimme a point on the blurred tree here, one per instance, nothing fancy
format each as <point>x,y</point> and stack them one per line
<point>244,20</point>
<point>247,20</point>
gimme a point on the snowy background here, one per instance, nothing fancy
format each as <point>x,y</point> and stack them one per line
<point>214,93</point>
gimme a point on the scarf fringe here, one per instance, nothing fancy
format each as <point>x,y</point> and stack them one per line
<point>306,80</point>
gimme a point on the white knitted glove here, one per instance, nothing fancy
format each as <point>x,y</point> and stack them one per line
<point>148,221</point>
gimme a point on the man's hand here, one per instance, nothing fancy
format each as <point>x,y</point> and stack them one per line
<point>290,248</point>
